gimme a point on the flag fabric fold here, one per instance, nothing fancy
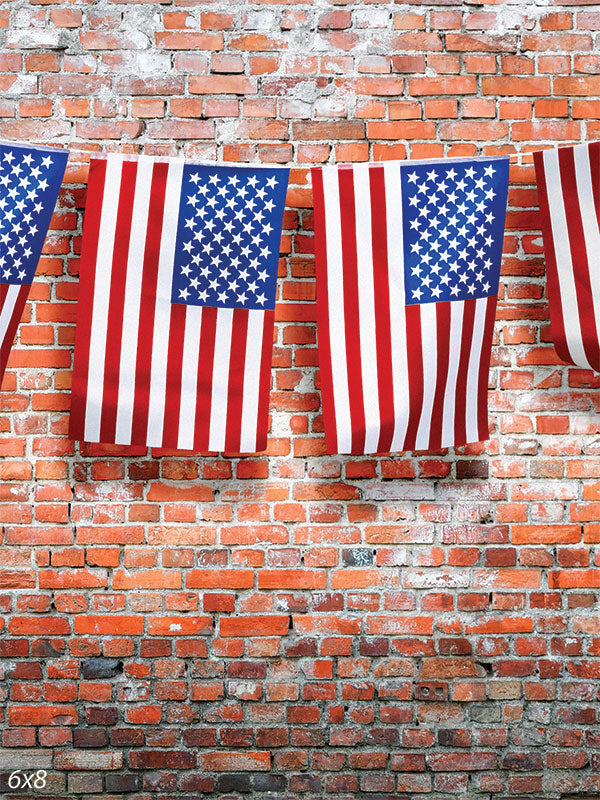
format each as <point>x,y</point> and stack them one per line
<point>175,316</point>
<point>568,181</point>
<point>30,179</point>
<point>408,262</point>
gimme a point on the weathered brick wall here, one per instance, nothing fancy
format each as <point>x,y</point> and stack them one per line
<point>417,624</point>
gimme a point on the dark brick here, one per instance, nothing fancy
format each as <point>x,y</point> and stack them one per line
<point>122,783</point>
<point>358,556</point>
<point>234,782</point>
<point>94,668</point>
<point>89,737</point>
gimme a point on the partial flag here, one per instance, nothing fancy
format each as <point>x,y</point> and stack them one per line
<point>174,329</point>
<point>568,181</point>
<point>408,263</point>
<point>30,178</point>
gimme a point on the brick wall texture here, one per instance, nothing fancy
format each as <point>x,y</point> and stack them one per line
<point>297,625</point>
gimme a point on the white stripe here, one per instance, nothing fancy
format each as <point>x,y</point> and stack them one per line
<point>564,263</point>
<point>335,293</point>
<point>220,380</point>
<point>456,321</point>
<point>591,234</point>
<point>366,306</point>
<point>8,309</point>
<point>189,377</point>
<point>472,401</point>
<point>131,309</point>
<point>162,306</point>
<point>256,320</point>
<point>395,248</point>
<point>429,351</point>
<point>99,310</point>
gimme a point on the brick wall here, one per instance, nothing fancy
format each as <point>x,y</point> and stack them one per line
<point>314,626</point>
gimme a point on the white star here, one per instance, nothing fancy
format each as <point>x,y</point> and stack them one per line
<point>470,172</point>
<point>46,161</point>
<point>184,293</point>
<point>412,178</point>
<point>489,170</point>
<point>242,298</point>
<point>271,183</point>
<point>222,296</point>
<point>417,293</point>
<point>263,275</point>
<point>261,299</point>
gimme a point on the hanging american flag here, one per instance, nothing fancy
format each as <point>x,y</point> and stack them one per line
<point>30,178</point>
<point>568,181</point>
<point>175,315</point>
<point>408,263</point>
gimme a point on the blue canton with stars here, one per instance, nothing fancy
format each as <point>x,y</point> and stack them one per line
<point>228,236</point>
<point>453,224</point>
<point>30,178</point>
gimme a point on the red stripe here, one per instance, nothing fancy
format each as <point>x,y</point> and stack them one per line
<point>7,341</point>
<point>206,359</point>
<point>323,334</point>
<point>235,380</point>
<point>174,375</point>
<point>351,309</point>
<point>414,353</point>
<point>594,156</point>
<point>139,427</point>
<point>13,323</point>
<point>460,400</point>
<point>552,284</point>
<point>383,335</point>
<point>112,360</point>
<point>442,313</point>
<point>483,429</point>
<point>264,390</point>
<point>85,299</point>
<point>579,256</point>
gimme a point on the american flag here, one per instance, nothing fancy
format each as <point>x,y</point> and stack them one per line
<point>408,263</point>
<point>568,181</point>
<point>30,178</point>
<point>174,329</point>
